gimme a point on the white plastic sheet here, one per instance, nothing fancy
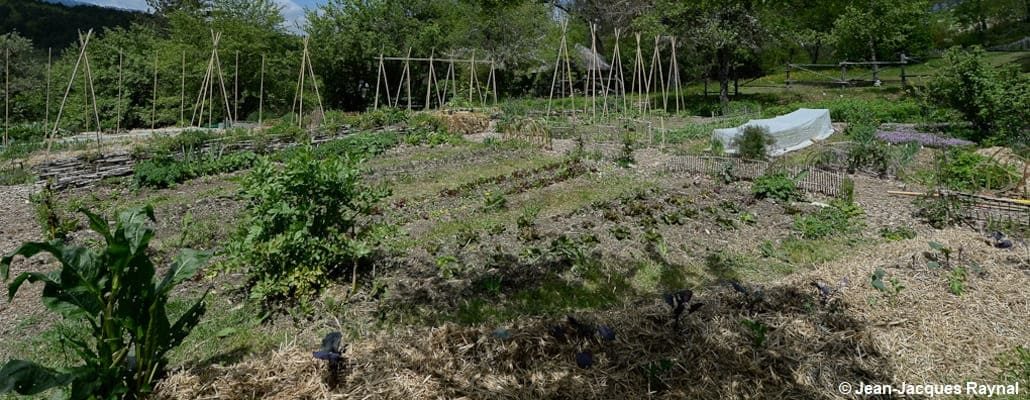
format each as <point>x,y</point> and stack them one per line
<point>793,131</point>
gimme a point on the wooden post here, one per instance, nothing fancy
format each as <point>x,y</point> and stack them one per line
<point>153,104</point>
<point>49,61</point>
<point>674,74</point>
<point>236,91</point>
<point>182,91</point>
<point>843,75</point>
<point>314,84</point>
<point>904,79</point>
<point>379,77</point>
<point>261,95</point>
<point>493,76</point>
<point>429,83</point>
<point>472,75</point>
<point>407,79</point>
<point>118,105</point>
<point>67,92</point>
<point>7,94</point>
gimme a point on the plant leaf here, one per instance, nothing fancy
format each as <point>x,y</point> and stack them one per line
<point>185,324</point>
<point>28,378</point>
<point>936,246</point>
<point>184,267</point>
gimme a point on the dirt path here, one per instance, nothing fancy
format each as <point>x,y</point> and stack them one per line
<point>18,225</point>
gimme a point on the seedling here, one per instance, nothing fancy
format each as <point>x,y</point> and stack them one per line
<point>758,331</point>
<point>891,291</point>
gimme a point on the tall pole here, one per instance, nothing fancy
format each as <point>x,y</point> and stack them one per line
<point>153,104</point>
<point>261,96</point>
<point>7,92</point>
<point>236,90</point>
<point>118,105</point>
<point>182,91</point>
<point>49,61</point>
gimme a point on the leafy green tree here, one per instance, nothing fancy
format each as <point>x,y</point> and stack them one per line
<point>726,31</point>
<point>880,29</point>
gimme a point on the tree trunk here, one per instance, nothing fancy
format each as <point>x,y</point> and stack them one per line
<point>813,51</point>
<point>723,57</point>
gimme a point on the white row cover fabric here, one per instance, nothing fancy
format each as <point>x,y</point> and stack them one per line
<point>793,131</point>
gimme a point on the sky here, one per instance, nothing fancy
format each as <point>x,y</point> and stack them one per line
<point>293,10</point>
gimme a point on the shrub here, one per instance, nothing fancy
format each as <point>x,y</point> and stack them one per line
<point>896,234</point>
<point>753,143</point>
<point>114,291</point>
<point>962,169</point>
<point>776,185</point>
<point>304,221</point>
<point>995,100</point>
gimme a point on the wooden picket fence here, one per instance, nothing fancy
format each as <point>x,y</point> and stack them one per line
<point>830,183</point>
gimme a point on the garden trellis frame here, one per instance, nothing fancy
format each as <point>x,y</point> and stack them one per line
<point>306,68</point>
<point>88,76</point>
<point>433,81</point>
<point>214,66</point>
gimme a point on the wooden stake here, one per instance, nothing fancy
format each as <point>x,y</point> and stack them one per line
<point>7,94</point>
<point>429,84</point>
<point>379,76</point>
<point>314,83</point>
<point>118,105</point>
<point>407,79</point>
<point>182,92</point>
<point>261,95</point>
<point>236,91</point>
<point>49,61</point>
<point>153,104</point>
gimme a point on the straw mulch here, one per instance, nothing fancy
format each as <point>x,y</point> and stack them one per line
<point>926,335</point>
<point>465,123</point>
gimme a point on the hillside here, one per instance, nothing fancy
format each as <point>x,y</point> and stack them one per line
<point>56,25</point>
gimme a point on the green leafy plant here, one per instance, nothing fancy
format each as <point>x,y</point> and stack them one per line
<point>448,266</point>
<point>838,218</point>
<point>758,331</point>
<point>304,221</point>
<point>892,291</point>
<point>625,159</point>
<point>940,211</point>
<point>754,142</point>
<point>526,222</point>
<point>55,224</point>
<point>898,233</point>
<point>776,185</point>
<point>494,201</point>
<point>113,290</point>
<point>957,281</point>
<point>963,169</point>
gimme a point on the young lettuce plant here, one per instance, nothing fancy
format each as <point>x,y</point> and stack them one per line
<point>114,291</point>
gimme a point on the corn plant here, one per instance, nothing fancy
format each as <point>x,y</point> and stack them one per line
<point>113,289</point>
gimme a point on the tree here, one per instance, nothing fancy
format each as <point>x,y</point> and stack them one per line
<point>727,31</point>
<point>166,7</point>
<point>879,29</point>
<point>995,100</point>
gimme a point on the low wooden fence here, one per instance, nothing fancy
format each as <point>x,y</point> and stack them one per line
<point>810,179</point>
<point>987,209</point>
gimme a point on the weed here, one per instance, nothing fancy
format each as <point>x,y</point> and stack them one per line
<point>448,266</point>
<point>898,233</point>
<point>838,218</point>
<point>114,291</point>
<point>49,215</point>
<point>494,201</point>
<point>619,232</point>
<point>758,331</point>
<point>940,211</point>
<point>957,281</point>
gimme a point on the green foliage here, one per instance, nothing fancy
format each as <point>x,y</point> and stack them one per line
<point>940,211</point>
<point>898,233</point>
<point>754,142</point>
<point>304,222</point>
<point>838,218</point>
<point>957,281</point>
<point>115,291</point>
<point>16,176</point>
<point>880,29</point>
<point>965,170</point>
<point>494,201</point>
<point>776,185</point>
<point>865,111</point>
<point>892,291</point>
<point>758,331</point>
<point>995,100</point>
<point>625,159</point>
<point>50,216</point>
<point>164,172</point>
<point>448,266</point>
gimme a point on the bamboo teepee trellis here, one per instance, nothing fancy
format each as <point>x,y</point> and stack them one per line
<point>82,60</point>
<point>560,67</point>
<point>306,69</point>
<point>206,95</point>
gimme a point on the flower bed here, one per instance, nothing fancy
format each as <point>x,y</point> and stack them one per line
<point>905,134</point>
